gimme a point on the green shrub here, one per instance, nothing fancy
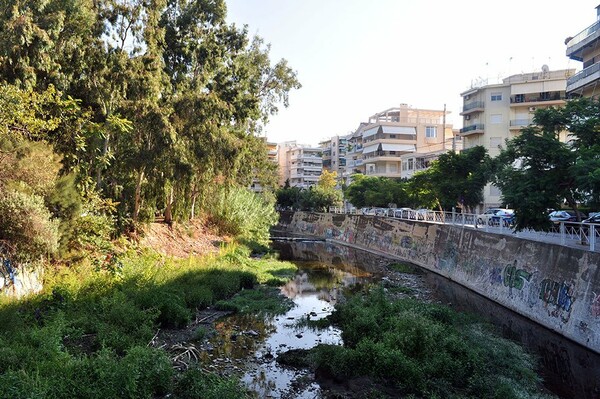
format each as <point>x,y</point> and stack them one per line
<point>425,350</point>
<point>195,384</point>
<point>26,223</point>
<point>242,213</point>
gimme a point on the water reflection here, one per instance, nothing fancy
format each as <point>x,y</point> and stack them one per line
<point>257,341</point>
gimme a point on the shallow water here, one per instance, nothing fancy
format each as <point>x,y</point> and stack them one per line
<point>253,343</point>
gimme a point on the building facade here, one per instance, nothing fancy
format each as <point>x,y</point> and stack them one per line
<point>423,157</point>
<point>585,47</point>
<point>379,146</point>
<point>299,164</point>
<point>495,113</point>
<point>334,156</point>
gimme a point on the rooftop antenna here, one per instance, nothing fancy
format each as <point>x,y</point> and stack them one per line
<point>545,71</point>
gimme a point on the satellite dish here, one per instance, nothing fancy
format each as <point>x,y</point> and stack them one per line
<point>545,68</point>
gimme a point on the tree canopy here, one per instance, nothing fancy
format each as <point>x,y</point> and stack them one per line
<point>150,105</point>
<point>537,172</point>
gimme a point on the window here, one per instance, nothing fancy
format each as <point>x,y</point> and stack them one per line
<point>545,95</point>
<point>496,119</point>
<point>431,131</point>
<point>519,98</point>
<point>410,164</point>
<point>392,136</point>
<point>496,97</point>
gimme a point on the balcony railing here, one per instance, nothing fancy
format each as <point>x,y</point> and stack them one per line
<point>378,154</point>
<point>555,96</point>
<point>520,122</point>
<point>473,105</point>
<point>472,128</point>
<point>572,81</point>
<point>582,35</point>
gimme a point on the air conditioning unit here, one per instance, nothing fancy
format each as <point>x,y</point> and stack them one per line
<point>531,109</point>
<point>467,117</point>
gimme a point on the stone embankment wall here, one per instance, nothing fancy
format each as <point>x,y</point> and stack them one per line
<point>556,286</point>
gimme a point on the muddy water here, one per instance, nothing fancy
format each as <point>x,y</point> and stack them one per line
<point>251,345</point>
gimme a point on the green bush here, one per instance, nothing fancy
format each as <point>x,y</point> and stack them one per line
<point>194,384</point>
<point>425,350</point>
<point>26,223</point>
<point>242,213</point>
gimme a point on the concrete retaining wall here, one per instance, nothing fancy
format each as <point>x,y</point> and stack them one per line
<point>556,286</point>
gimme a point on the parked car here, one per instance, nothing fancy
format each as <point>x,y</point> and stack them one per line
<point>380,211</point>
<point>423,214</point>
<point>565,216</point>
<point>402,213</point>
<point>592,219</point>
<point>494,216</point>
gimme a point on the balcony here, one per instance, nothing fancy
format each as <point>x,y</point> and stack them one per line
<point>549,98</point>
<point>382,156</point>
<point>517,124</point>
<point>584,38</point>
<point>471,130</point>
<point>475,106</point>
<point>581,79</point>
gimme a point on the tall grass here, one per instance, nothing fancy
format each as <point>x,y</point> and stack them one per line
<point>87,335</point>
<point>242,213</point>
<point>426,350</point>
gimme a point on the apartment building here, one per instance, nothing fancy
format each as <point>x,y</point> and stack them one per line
<point>354,159</point>
<point>301,164</point>
<point>497,112</point>
<point>377,147</point>
<point>334,156</point>
<point>585,47</point>
<point>423,157</point>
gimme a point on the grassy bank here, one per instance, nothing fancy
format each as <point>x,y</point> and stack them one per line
<point>408,348</point>
<point>87,335</point>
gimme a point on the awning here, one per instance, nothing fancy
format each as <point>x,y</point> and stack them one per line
<point>398,147</point>
<point>370,132</point>
<point>371,148</point>
<point>399,130</point>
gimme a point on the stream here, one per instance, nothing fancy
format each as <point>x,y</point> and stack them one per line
<point>250,344</point>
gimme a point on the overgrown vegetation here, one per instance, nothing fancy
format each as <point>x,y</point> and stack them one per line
<point>89,334</point>
<point>115,112</point>
<point>317,199</point>
<point>423,350</point>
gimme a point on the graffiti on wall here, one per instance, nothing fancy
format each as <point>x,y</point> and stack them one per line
<point>448,257</point>
<point>560,295</point>
<point>595,305</point>
<point>495,275</point>
<point>515,278</point>
<point>7,273</point>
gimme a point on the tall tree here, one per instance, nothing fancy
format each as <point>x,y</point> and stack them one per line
<point>533,174</point>
<point>457,179</point>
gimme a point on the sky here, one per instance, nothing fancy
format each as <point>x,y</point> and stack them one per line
<point>355,58</point>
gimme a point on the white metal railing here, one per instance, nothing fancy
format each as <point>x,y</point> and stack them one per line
<point>572,234</point>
